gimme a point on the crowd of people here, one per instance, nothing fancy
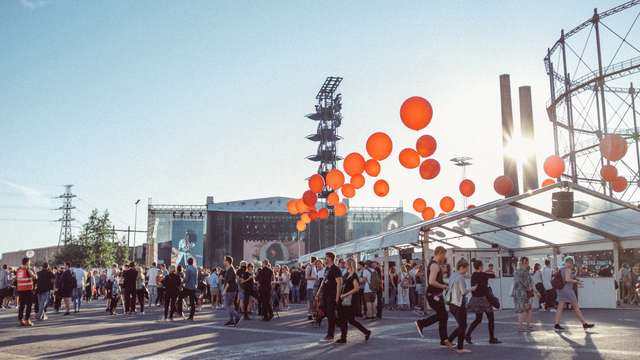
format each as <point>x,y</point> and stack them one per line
<point>340,290</point>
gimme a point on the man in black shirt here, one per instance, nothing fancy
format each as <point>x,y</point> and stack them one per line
<point>130,275</point>
<point>43,289</point>
<point>330,288</point>
<point>296,277</point>
<point>265,276</point>
<point>230,291</point>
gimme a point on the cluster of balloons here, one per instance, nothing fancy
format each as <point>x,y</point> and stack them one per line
<point>306,208</point>
<point>613,147</point>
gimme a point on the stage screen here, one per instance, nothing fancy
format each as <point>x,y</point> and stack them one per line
<point>186,241</point>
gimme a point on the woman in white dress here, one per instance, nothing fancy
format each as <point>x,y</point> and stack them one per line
<point>403,288</point>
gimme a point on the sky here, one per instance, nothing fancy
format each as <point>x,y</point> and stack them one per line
<point>177,101</point>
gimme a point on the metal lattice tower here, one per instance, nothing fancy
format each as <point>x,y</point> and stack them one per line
<point>592,70</point>
<point>329,119</point>
<point>66,219</point>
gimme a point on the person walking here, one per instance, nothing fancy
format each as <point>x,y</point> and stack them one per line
<point>311,275</point>
<point>80,277</point>
<point>331,288</point>
<point>152,283</point>
<point>230,291</point>
<point>566,281</point>
<point>523,292</point>
<point>296,279</point>
<point>67,284</point>
<point>538,284</point>
<point>346,305</point>
<point>549,292</point>
<point>141,290</point>
<point>43,289</point>
<point>435,288</point>
<point>369,291</point>
<point>115,293</point>
<point>214,288</point>
<point>265,274</point>
<point>479,303</point>
<point>130,276</point>
<point>24,286</point>
<point>190,283</point>
<point>171,284</point>
<point>5,285</point>
<point>457,303</point>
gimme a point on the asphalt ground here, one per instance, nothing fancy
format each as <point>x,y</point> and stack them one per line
<point>94,334</point>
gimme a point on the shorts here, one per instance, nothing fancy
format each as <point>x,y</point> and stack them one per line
<point>370,297</point>
<point>310,294</point>
<point>215,292</point>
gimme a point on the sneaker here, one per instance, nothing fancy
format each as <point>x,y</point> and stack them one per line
<point>446,343</point>
<point>22,323</point>
<point>341,341</point>
<point>468,340</point>
<point>367,336</point>
<point>235,324</point>
<point>28,323</point>
<point>553,310</point>
<point>328,338</point>
<point>558,328</point>
<point>419,328</point>
<point>462,351</point>
<point>228,323</point>
<point>495,341</point>
<point>587,326</point>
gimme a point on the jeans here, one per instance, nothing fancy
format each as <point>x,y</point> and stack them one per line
<point>229,304</point>
<point>26,301</point>
<point>77,298</point>
<point>43,300</point>
<point>191,294</point>
<point>295,294</point>
<point>477,322</point>
<point>153,294</point>
<point>439,317</point>
<point>330,311</point>
<point>129,301</point>
<point>460,313</point>
<point>170,303</point>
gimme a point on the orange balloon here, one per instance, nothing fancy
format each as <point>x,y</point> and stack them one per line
<point>379,146</point>
<point>467,187</point>
<point>554,166</point>
<point>333,199</point>
<point>357,181</point>
<point>309,198</point>
<point>300,226</point>
<point>353,164</point>
<point>381,188</point>
<point>426,145</point>
<point>305,218</point>
<point>471,206</point>
<point>316,183</point>
<point>609,172</point>
<point>503,185</point>
<point>372,167</point>
<point>313,215</point>
<point>447,204</point>
<point>323,213</point>
<point>301,206</point>
<point>428,213</point>
<point>613,147</point>
<point>419,204</point>
<point>416,113</point>
<point>409,158</point>
<point>429,169</point>
<point>619,184</point>
<point>340,209</point>
<point>548,182</point>
<point>291,207</point>
<point>335,179</point>
<point>348,191</point>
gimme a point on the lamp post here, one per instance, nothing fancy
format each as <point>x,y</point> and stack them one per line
<point>135,229</point>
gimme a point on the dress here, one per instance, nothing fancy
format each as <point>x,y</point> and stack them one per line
<point>521,283</point>
<point>566,294</point>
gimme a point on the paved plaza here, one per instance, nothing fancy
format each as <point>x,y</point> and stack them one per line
<point>94,334</point>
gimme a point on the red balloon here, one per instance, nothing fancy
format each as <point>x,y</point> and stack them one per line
<point>313,214</point>
<point>416,113</point>
<point>429,169</point>
<point>335,179</point>
<point>613,147</point>
<point>619,184</point>
<point>503,185</point>
<point>447,204</point>
<point>381,188</point>
<point>419,205</point>
<point>426,145</point>
<point>340,209</point>
<point>348,190</point>
<point>333,199</point>
<point>554,166</point>
<point>300,226</point>
<point>372,167</point>
<point>316,183</point>
<point>353,164</point>
<point>471,206</point>
<point>309,198</point>
<point>357,181</point>
<point>467,187</point>
<point>291,207</point>
<point>609,172</point>
<point>379,146</point>
<point>548,182</point>
<point>409,158</point>
<point>428,213</point>
<point>323,213</point>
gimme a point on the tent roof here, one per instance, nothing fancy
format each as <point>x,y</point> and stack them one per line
<point>521,222</point>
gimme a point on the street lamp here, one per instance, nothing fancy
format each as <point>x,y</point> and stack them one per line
<point>135,229</point>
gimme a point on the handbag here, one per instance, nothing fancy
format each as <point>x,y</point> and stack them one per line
<point>347,300</point>
<point>493,300</point>
<point>529,293</point>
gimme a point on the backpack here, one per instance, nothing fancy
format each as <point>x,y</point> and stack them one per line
<point>376,282</point>
<point>558,280</point>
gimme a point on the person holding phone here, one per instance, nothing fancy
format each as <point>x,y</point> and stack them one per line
<point>566,295</point>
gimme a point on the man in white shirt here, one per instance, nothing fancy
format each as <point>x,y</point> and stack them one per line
<point>311,275</point>
<point>80,276</point>
<point>369,294</point>
<point>549,292</point>
<point>152,273</point>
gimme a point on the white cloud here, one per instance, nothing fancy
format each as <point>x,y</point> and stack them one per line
<point>33,4</point>
<point>35,197</point>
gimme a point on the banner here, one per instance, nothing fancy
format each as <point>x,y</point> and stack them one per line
<point>274,251</point>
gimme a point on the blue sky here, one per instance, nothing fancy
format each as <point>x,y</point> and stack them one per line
<point>179,100</point>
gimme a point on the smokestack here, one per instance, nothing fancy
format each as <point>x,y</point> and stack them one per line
<point>510,165</point>
<point>529,166</point>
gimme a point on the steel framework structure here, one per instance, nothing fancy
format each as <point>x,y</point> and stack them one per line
<point>591,71</point>
<point>67,218</point>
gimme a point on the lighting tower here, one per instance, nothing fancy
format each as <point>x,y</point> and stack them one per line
<point>66,219</point>
<point>463,162</point>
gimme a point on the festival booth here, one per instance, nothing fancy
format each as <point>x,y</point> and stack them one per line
<point>499,232</point>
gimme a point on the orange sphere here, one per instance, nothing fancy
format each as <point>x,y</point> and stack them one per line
<point>416,113</point>
<point>309,198</point>
<point>305,218</point>
<point>419,204</point>
<point>471,206</point>
<point>379,146</point>
<point>503,185</point>
<point>409,158</point>
<point>609,172</point>
<point>429,169</point>
<point>357,181</point>
<point>300,226</point>
<point>447,204</point>
<point>316,183</point>
<point>554,166</point>
<point>333,199</point>
<point>335,179</point>
<point>340,209</point>
<point>291,207</point>
<point>353,164</point>
<point>613,147</point>
<point>348,191</point>
<point>426,145</point>
<point>372,167</point>
<point>381,188</point>
<point>301,206</point>
<point>428,213</point>
<point>313,214</point>
<point>619,184</point>
<point>548,182</point>
<point>323,214</point>
<point>467,188</point>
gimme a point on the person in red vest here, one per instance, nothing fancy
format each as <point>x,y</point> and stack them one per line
<point>24,279</point>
